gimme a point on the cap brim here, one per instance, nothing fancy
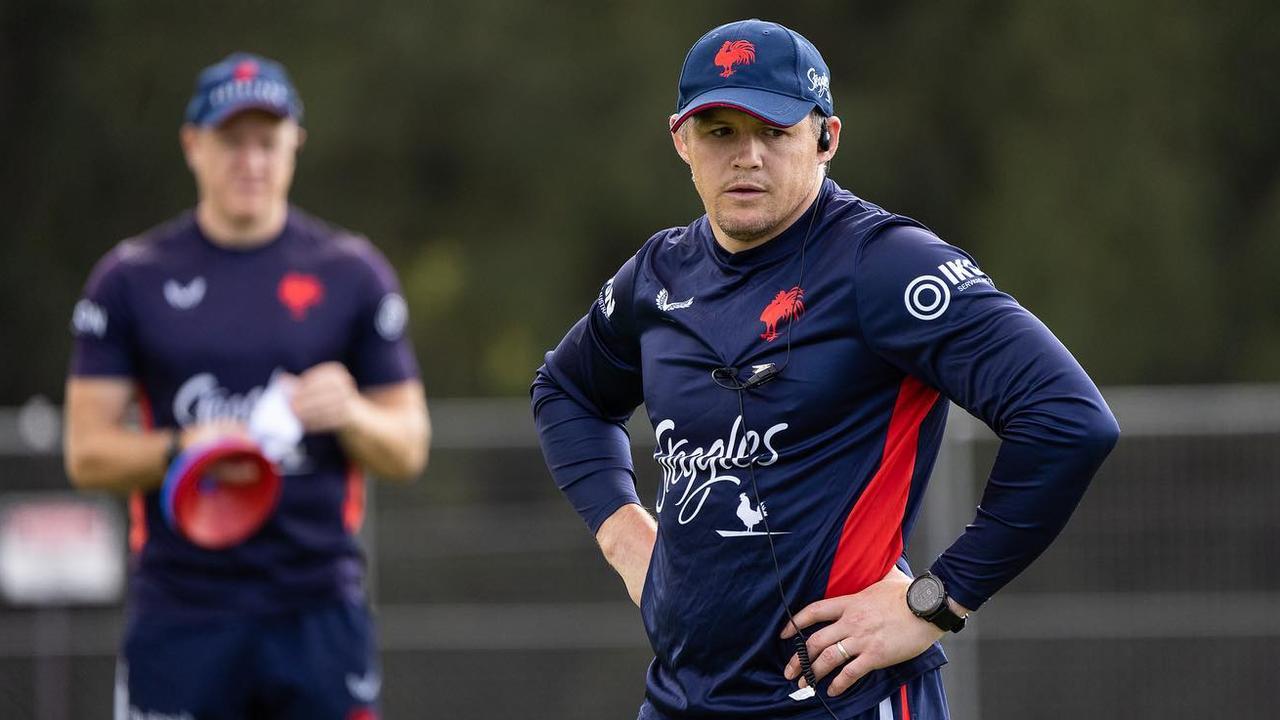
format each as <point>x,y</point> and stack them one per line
<point>226,113</point>
<point>769,107</point>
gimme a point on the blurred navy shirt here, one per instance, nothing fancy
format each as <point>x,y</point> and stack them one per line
<point>201,329</point>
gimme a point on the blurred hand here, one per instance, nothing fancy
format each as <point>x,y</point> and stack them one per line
<point>875,627</point>
<point>234,472</point>
<point>325,398</point>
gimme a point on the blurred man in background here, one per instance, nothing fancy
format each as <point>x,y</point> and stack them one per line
<point>795,348</point>
<point>197,320</point>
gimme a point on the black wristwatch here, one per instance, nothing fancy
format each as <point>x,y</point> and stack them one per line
<point>927,598</point>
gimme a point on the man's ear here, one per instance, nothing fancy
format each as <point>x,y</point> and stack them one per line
<point>188,136</point>
<point>833,129</point>
<point>677,139</point>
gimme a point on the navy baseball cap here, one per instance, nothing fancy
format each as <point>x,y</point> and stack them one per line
<point>758,67</point>
<point>242,81</point>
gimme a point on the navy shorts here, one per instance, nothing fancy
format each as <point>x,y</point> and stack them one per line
<point>920,699</point>
<point>317,664</point>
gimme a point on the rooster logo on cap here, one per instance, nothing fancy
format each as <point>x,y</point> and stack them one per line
<point>245,71</point>
<point>736,52</point>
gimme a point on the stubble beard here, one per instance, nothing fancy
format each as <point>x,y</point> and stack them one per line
<point>745,229</point>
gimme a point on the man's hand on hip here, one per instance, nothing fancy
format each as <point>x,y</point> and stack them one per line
<point>875,628</point>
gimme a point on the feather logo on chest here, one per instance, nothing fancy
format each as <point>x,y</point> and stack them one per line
<point>184,297</point>
<point>665,306</point>
<point>691,474</point>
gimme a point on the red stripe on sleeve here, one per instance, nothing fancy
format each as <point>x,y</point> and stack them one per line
<point>871,540</point>
<point>906,711</point>
<point>137,506</point>
<point>137,522</point>
<point>353,503</point>
<point>148,417</point>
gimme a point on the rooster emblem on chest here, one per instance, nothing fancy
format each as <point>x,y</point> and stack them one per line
<point>787,305</point>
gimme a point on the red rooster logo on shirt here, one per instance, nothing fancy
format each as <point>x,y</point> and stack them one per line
<point>736,52</point>
<point>786,305</point>
<point>300,292</point>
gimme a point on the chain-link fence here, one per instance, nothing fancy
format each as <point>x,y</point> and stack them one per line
<point>492,600</point>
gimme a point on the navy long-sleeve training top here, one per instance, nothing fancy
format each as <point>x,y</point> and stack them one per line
<point>885,323</point>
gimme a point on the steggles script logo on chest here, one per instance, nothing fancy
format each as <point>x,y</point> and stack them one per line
<point>201,399</point>
<point>700,469</point>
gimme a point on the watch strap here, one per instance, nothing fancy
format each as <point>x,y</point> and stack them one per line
<point>945,618</point>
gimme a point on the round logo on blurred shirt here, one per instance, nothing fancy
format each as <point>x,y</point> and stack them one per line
<point>89,318</point>
<point>393,313</point>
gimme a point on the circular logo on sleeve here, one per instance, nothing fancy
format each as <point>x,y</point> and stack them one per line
<point>927,297</point>
<point>89,318</point>
<point>393,313</point>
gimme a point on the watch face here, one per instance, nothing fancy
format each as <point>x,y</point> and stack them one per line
<point>925,595</point>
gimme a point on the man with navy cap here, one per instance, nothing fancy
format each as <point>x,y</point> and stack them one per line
<point>795,349</point>
<point>245,319</point>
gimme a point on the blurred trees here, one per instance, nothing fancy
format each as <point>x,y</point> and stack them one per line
<point>1113,166</point>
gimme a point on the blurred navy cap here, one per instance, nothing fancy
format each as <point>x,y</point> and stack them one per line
<point>758,67</point>
<point>242,81</point>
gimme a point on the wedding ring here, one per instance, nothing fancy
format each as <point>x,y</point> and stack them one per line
<point>844,653</point>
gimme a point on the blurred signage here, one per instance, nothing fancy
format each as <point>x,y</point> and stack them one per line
<point>60,549</point>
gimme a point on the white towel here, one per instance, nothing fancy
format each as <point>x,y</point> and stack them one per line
<point>272,423</point>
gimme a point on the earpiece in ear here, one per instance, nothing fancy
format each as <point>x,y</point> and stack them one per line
<point>824,137</point>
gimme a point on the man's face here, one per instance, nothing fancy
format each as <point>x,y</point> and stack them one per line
<point>754,179</point>
<point>243,167</point>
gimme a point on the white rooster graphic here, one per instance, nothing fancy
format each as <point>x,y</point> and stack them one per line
<point>750,517</point>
